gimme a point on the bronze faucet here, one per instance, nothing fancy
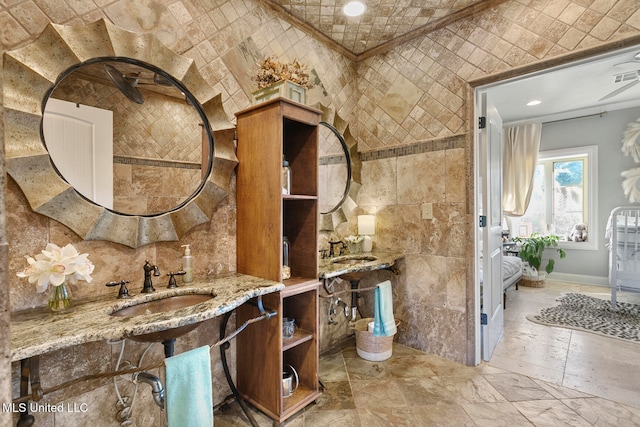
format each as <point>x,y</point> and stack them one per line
<point>123,293</point>
<point>343,246</point>
<point>148,284</point>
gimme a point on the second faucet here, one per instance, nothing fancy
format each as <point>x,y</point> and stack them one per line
<point>148,284</point>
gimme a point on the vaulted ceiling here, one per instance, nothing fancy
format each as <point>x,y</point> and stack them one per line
<point>383,23</point>
<point>589,86</point>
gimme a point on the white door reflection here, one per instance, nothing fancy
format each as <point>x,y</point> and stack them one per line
<point>80,143</point>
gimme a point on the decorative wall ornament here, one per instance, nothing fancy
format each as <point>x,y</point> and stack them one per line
<point>30,71</point>
<point>630,144</point>
<point>631,147</point>
<point>631,184</point>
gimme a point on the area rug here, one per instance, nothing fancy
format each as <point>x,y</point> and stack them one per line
<point>585,313</point>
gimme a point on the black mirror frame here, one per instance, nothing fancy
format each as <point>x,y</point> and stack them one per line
<point>30,71</point>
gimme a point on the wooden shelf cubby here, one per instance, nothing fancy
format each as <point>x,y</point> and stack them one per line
<point>266,132</point>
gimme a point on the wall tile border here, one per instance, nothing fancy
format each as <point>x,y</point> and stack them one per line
<point>437,144</point>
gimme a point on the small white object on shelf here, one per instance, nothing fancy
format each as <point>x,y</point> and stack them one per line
<point>367,227</point>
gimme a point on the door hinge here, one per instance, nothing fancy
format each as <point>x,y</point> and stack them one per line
<point>482,122</point>
<point>483,318</point>
<point>483,221</point>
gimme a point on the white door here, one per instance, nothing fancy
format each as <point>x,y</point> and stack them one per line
<point>490,201</point>
<point>79,139</point>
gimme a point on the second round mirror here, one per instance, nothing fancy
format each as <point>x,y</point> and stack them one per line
<point>335,169</point>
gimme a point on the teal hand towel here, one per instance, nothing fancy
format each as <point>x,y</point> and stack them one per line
<point>189,401</point>
<point>384,324</point>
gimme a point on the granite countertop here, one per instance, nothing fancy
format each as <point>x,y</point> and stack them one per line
<point>362,262</point>
<point>38,331</point>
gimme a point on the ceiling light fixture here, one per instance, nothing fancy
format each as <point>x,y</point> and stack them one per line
<point>354,8</point>
<point>533,102</point>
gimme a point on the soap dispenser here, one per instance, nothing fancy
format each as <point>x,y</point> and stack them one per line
<point>187,264</point>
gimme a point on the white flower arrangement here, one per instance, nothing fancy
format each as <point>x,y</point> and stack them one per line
<point>354,239</point>
<point>56,265</point>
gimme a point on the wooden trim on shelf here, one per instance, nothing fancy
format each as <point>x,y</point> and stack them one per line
<point>299,336</point>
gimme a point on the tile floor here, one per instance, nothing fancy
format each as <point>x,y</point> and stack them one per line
<point>539,375</point>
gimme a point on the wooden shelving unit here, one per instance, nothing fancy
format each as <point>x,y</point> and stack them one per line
<point>266,132</point>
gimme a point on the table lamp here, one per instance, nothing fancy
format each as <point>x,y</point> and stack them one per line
<point>367,227</point>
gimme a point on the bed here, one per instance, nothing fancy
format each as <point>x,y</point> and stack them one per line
<point>623,234</point>
<point>511,274</point>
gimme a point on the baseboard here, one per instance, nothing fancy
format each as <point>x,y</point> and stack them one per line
<point>579,278</point>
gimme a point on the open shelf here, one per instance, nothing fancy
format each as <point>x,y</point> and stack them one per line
<point>299,336</point>
<point>298,197</point>
<point>267,132</point>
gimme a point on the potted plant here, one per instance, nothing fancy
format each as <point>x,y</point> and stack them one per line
<point>531,250</point>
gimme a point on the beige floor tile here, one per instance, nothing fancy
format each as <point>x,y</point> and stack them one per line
<point>539,375</point>
<point>453,390</point>
<point>336,395</point>
<point>515,387</point>
<point>502,414</point>
<point>441,414</point>
<point>410,367</point>
<point>332,368</point>
<point>545,373</point>
<point>602,412</point>
<point>560,392</point>
<point>385,417</point>
<point>550,413</point>
<point>342,418</point>
<point>578,360</point>
<point>373,394</point>
<point>600,388</point>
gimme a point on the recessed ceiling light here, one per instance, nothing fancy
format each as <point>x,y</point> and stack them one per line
<point>533,102</point>
<point>354,8</point>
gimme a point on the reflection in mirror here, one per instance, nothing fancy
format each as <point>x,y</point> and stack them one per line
<point>334,169</point>
<point>123,134</point>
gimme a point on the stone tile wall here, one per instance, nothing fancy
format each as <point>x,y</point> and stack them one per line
<point>142,189</point>
<point>225,38</point>
<point>430,294</point>
<point>5,352</point>
<point>414,93</point>
<point>417,92</point>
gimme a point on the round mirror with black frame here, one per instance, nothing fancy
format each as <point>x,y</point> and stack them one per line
<point>339,170</point>
<point>32,72</point>
<point>127,136</point>
<point>334,169</point>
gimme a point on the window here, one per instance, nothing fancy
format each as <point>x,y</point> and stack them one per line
<point>564,194</point>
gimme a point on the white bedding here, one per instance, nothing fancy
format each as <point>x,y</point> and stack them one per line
<point>511,265</point>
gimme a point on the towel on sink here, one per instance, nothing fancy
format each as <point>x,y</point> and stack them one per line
<point>384,325</point>
<point>188,382</point>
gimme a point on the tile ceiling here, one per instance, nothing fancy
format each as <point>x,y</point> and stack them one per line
<point>383,20</point>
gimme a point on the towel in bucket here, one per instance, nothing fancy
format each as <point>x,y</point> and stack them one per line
<point>189,397</point>
<point>384,325</point>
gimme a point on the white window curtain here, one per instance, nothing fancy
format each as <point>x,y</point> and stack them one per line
<point>519,159</point>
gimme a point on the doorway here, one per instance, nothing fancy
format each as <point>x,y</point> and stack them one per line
<point>511,90</point>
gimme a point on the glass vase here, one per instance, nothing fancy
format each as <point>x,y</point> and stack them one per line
<point>59,298</point>
<point>354,248</point>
